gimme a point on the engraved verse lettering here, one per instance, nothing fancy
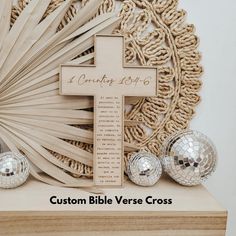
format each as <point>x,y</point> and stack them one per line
<point>104,80</point>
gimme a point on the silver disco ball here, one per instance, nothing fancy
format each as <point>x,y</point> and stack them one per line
<point>14,170</point>
<point>189,158</point>
<point>144,169</point>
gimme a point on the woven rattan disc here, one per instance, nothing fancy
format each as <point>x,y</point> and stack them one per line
<point>156,34</point>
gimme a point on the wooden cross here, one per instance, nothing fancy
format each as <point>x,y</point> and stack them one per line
<point>108,81</point>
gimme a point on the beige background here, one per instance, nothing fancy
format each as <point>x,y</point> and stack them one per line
<point>215,21</point>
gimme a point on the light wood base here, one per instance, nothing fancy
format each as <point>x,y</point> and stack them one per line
<point>93,223</point>
<point>194,212</point>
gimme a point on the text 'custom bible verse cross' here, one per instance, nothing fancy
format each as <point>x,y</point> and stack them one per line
<point>108,81</point>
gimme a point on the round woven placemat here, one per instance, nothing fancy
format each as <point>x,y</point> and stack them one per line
<point>156,35</point>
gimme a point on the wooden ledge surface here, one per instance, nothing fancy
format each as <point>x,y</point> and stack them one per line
<point>27,211</point>
<point>35,196</point>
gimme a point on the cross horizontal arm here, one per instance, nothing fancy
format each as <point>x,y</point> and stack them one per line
<point>89,81</point>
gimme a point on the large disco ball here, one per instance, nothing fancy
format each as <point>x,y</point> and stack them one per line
<point>14,170</point>
<point>189,157</point>
<point>144,169</point>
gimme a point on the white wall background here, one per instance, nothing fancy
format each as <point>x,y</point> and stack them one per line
<point>215,23</point>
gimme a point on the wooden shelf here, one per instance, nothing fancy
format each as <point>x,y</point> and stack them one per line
<point>27,211</point>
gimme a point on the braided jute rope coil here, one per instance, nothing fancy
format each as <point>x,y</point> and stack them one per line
<point>156,35</point>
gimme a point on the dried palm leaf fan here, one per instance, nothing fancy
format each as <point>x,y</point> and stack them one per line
<point>34,118</point>
<point>55,131</point>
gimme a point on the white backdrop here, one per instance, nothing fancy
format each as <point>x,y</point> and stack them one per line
<point>215,22</point>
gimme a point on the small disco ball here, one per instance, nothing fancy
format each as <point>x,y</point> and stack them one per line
<point>14,170</point>
<point>189,158</point>
<point>144,169</point>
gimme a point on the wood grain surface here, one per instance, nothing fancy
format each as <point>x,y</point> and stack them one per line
<point>28,211</point>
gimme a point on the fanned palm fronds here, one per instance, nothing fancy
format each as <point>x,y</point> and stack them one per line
<point>34,118</point>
